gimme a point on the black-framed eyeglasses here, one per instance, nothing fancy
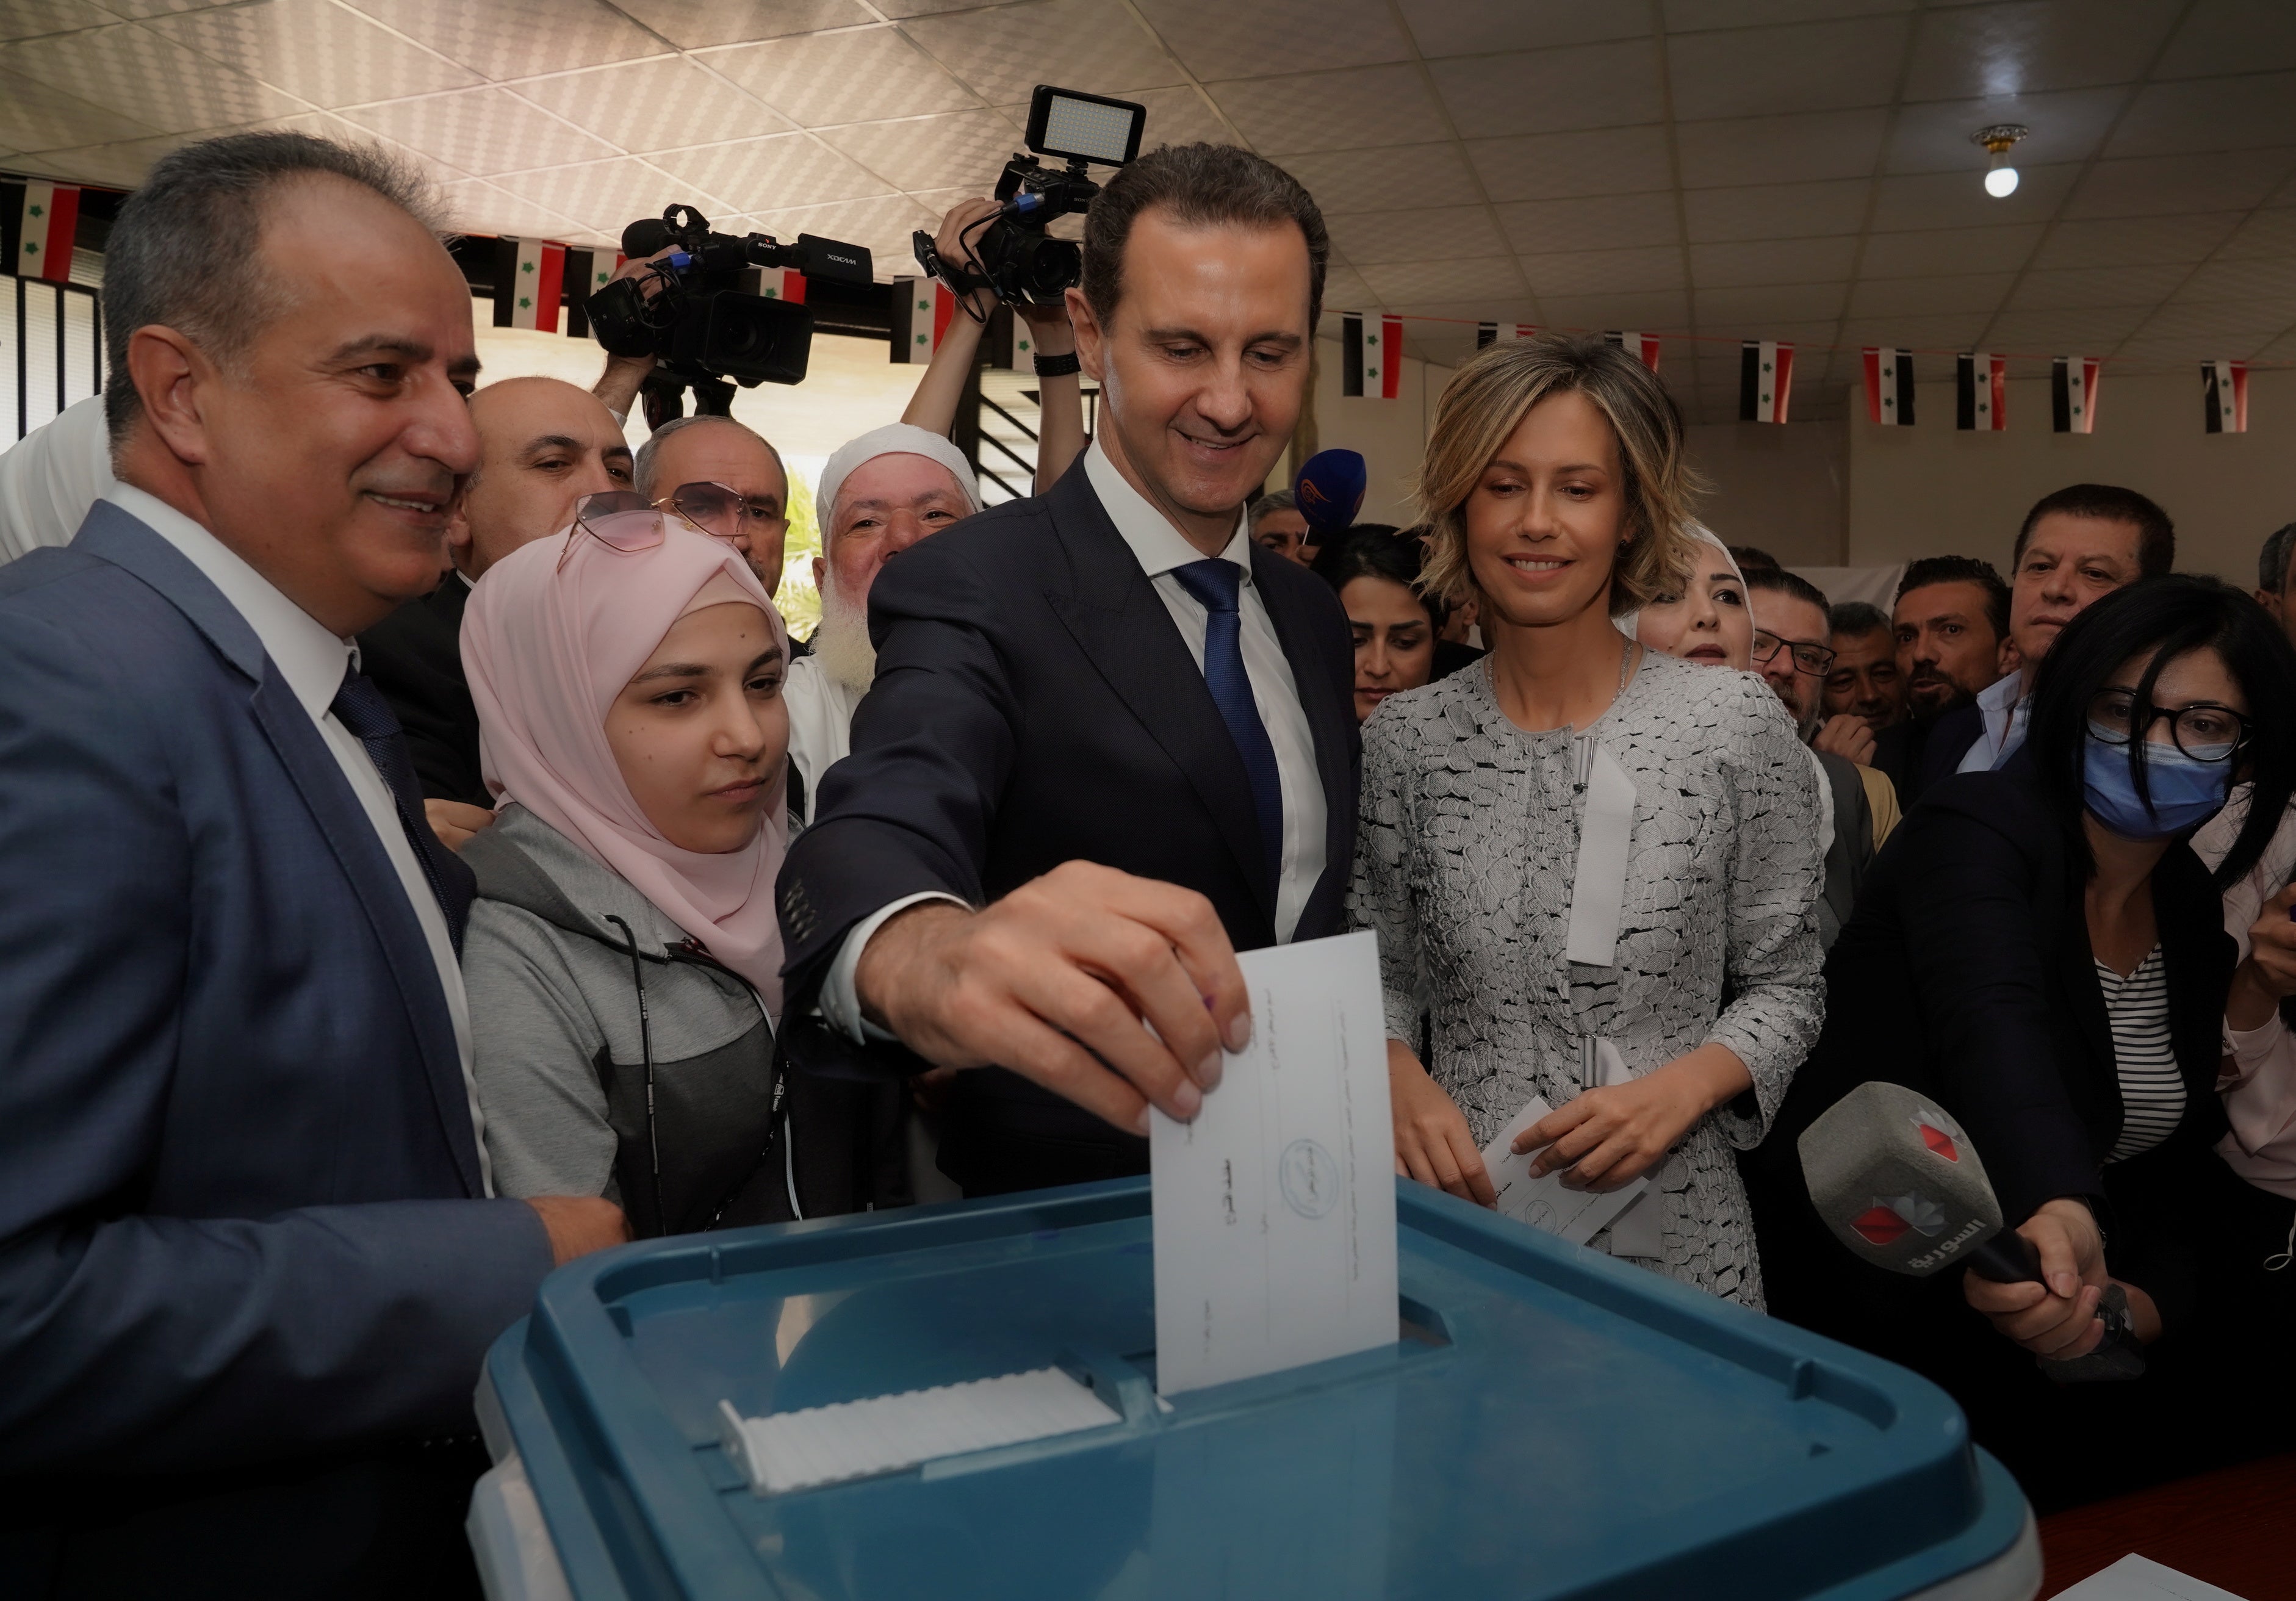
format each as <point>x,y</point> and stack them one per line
<point>2204,733</point>
<point>1816,659</point>
<point>718,509</point>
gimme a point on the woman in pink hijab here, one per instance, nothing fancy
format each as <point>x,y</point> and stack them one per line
<point>623,958</point>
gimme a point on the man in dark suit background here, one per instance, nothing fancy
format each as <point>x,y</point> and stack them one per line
<point>247,1263</point>
<point>1114,732</point>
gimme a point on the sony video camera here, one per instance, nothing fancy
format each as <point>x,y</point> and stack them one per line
<point>1017,260</point>
<point>697,314</point>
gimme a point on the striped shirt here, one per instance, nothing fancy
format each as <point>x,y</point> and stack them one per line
<point>2143,1059</point>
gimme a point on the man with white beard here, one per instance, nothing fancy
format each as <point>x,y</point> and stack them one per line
<point>879,494</point>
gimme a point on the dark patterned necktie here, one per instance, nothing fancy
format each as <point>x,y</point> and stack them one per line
<point>1218,583</point>
<point>360,707</point>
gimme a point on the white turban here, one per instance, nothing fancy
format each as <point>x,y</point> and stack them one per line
<point>895,438</point>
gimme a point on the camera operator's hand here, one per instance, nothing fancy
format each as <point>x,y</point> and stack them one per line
<point>956,245</point>
<point>618,385</point>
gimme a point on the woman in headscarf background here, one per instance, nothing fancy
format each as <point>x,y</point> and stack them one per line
<point>623,957</point>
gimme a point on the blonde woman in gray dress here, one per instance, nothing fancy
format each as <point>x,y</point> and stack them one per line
<point>1573,850</point>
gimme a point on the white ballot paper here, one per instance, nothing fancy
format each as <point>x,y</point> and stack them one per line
<point>1274,1210</point>
<point>1576,1216</point>
<point>2136,1578</point>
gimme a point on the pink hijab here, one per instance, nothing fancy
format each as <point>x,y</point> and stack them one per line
<point>546,652</point>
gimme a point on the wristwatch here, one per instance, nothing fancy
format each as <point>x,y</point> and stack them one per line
<point>2117,1356</point>
<point>1058,366</point>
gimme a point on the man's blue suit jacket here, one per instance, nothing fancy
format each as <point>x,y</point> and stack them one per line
<point>237,1171</point>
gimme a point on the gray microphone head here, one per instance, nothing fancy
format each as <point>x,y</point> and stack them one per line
<point>1897,1181</point>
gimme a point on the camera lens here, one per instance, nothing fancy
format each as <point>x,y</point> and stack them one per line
<point>1054,267</point>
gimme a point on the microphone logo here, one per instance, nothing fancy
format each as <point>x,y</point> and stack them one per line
<point>1932,1127</point>
<point>1890,1216</point>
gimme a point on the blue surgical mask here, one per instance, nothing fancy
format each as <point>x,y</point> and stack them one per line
<point>2187,792</point>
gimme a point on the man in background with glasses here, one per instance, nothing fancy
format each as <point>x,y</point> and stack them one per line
<point>725,480</point>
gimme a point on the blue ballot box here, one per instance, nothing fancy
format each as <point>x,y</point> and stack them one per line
<point>1548,1423</point>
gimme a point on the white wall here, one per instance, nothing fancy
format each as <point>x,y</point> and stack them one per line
<point>1391,434</point>
<point>1783,490</point>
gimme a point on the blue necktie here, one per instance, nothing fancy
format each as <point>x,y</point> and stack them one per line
<point>359,707</point>
<point>1216,583</point>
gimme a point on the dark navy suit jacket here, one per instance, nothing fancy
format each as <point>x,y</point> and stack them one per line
<point>1034,705</point>
<point>237,1222</point>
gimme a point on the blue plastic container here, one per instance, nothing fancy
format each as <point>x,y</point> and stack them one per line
<point>1549,1424</point>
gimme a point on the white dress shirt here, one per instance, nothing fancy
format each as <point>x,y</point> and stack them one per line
<point>820,710</point>
<point>2006,713</point>
<point>312,660</point>
<point>1161,549</point>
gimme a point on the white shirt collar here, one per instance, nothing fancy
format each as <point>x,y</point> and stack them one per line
<point>309,656</point>
<point>2001,694</point>
<point>1156,545</point>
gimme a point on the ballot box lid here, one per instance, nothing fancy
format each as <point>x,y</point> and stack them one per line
<point>1549,1423</point>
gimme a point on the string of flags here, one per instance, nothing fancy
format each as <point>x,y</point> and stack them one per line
<point>37,224</point>
<point>2224,396</point>
<point>1371,348</point>
<point>534,276</point>
<point>1765,380</point>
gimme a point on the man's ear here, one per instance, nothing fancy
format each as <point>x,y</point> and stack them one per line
<point>169,372</point>
<point>1090,338</point>
<point>2011,659</point>
<point>820,573</point>
<point>461,548</point>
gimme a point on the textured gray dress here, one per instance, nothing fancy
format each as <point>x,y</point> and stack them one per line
<point>1466,855</point>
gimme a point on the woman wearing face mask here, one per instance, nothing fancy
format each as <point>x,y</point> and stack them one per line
<point>623,957</point>
<point>2041,951</point>
<point>1571,848</point>
<point>1376,570</point>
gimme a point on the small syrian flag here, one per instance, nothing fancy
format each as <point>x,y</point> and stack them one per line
<point>1502,333</point>
<point>587,273</point>
<point>529,276</point>
<point>2072,394</point>
<point>782,283</point>
<point>1010,344</point>
<point>36,224</point>
<point>1643,345</point>
<point>1980,391</point>
<point>1765,380</point>
<point>922,308</point>
<point>1372,350</point>
<point>2224,396</point>
<point>1890,387</point>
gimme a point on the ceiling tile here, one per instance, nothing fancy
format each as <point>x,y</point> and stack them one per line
<point>2209,114</point>
<point>1366,106</point>
<point>321,53</point>
<point>1956,331</point>
<point>2231,36</point>
<point>1559,166</point>
<point>811,79</point>
<point>1598,222</point>
<point>1433,235</point>
<point>774,173</point>
<point>1479,26</point>
<point>1800,302</point>
<point>2017,49</point>
<point>29,19</point>
<point>1378,180</point>
<point>1928,297</point>
<point>2162,184</point>
<point>1957,200</point>
<point>1344,286</point>
<point>2068,125</point>
<point>953,149</point>
<point>517,38</point>
<point>1996,249</point>
<point>480,131</point>
<point>2143,354</point>
<point>2283,348</point>
<point>1546,91</point>
<point>2264,234</point>
<point>2072,288</point>
<point>2219,319</point>
<point>2137,241</point>
<point>36,115</point>
<point>609,195</point>
<point>140,8</point>
<point>693,24</point>
<point>1176,115</point>
<point>1777,210</point>
<point>123,165</point>
<point>1810,67</point>
<point>1778,149</point>
<point>664,103</point>
<point>1220,38</point>
<point>2255,279</point>
<point>1489,277</point>
<point>130,64</point>
<point>1603,272</point>
<point>1004,53</point>
<point>1772,261</point>
<point>478,207</point>
<point>2091,331</point>
<point>1663,309</point>
<point>1685,16</point>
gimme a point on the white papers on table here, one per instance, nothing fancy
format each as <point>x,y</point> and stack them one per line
<point>1274,1210</point>
<point>1576,1216</point>
<point>2136,1578</point>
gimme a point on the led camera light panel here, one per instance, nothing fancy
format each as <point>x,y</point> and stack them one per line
<point>1062,122</point>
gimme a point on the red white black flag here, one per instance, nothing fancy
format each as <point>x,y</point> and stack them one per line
<point>2072,394</point>
<point>1890,387</point>
<point>2224,396</point>
<point>529,279</point>
<point>1371,348</point>
<point>922,308</point>
<point>782,283</point>
<point>1642,346</point>
<point>1765,380</point>
<point>587,273</point>
<point>37,224</point>
<point>1980,391</point>
<point>1502,333</point>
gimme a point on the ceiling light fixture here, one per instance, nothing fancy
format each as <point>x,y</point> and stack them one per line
<point>2000,173</point>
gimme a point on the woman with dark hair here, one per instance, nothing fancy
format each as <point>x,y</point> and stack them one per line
<point>1376,570</point>
<point>2039,949</point>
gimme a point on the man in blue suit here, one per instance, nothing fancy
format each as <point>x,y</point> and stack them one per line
<point>249,1265</point>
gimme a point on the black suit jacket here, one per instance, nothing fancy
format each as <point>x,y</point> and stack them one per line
<point>1918,751</point>
<point>1034,705</point>
<point>414,656</point>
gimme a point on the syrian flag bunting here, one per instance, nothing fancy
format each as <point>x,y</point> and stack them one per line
<point>587,273</point>
<point>1371,347</point>
<point>1502,333</point>
<point>1981,385</point>
<point>2072,394</point>
<point>530,275</point>
<point>2224,396</point>
<point>1642,346</point>
<point>1765,380</point>
<point>1890,387</point>
<point>922,308</point>
<point>36,224</point>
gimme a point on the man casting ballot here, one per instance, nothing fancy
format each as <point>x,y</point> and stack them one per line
<point>1110,740</point>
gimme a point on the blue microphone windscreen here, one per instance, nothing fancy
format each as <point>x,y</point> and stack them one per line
<point>1329,489</point>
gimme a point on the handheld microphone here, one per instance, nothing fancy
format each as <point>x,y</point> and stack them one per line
<point>1329,489</point>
